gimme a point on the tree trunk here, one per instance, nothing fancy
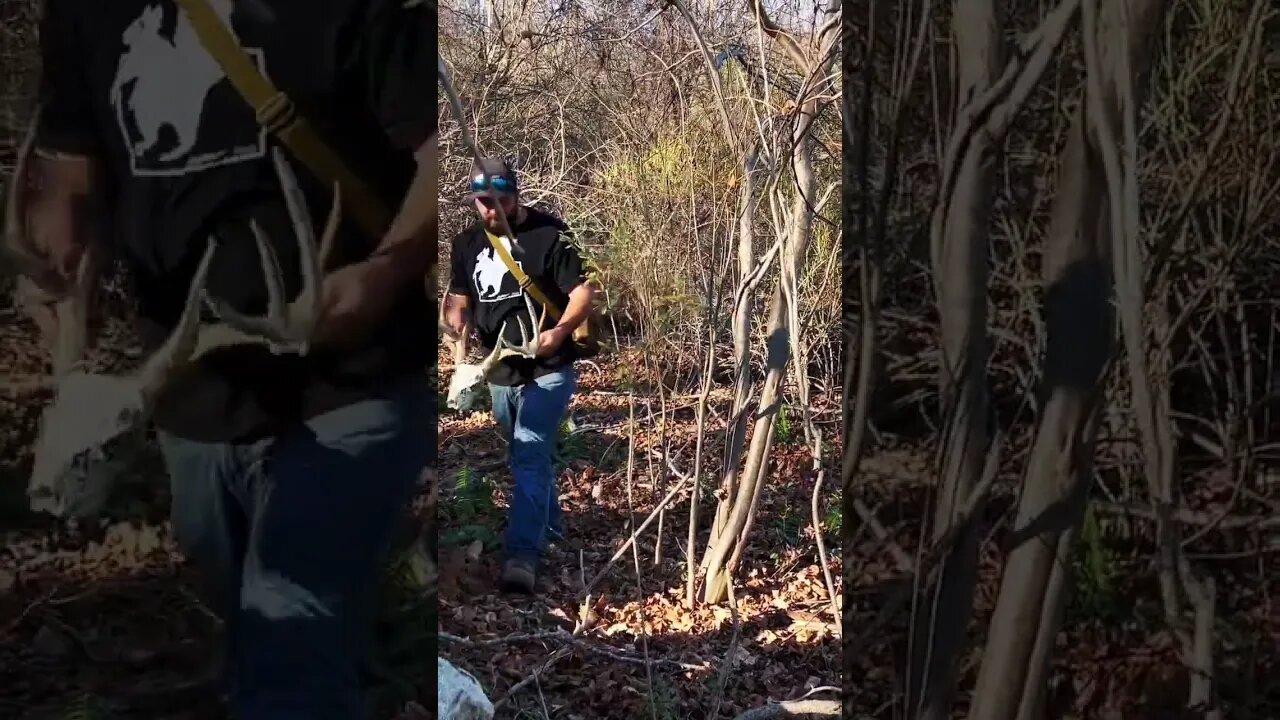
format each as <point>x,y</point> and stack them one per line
<point>748,204</point>
<point>961,249</point>
<point>1079,327</point>
<point>733,532</point>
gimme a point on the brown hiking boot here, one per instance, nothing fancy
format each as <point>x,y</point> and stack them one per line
<point>517,576</point>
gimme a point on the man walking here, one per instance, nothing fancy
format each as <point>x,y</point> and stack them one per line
<point>530,395</point>
<point>288,473</point>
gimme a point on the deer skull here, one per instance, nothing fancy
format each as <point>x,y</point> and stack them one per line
<point>93,432</point>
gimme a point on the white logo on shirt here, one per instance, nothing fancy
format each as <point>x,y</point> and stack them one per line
<point>160,96</point>
<point>491,274</point>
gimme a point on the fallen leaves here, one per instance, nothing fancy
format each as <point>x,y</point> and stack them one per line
<point>637,643</point>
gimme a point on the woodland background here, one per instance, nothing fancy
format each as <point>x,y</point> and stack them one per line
<point>1062,469</point>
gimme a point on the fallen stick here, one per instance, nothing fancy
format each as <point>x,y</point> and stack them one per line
<point>1190,517</point>
<point>792,708</point>
<point>564,636</point>
<point>882,534</point>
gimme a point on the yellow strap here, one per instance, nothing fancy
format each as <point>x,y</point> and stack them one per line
<point>526,282</point>
<point>275,111</point>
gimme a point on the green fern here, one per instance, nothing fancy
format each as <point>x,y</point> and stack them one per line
<point>471,502</point>
<point>1096,572</point>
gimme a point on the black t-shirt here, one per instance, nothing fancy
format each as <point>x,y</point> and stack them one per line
<point>129,82</point>
<point>545,254</point>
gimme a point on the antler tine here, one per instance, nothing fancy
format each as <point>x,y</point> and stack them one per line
<point>526,337</point>
<point>330,234</point>
<point>456,339</point>
<point>529,340</point>
<point>305,308</point>
<point>272,326</point>
<point>285,326</point>
<point>491,360</point>
<point>537,319</point>
<point>13,240</point>
<point>272,274</point>
<point>457,344</point>
<point>179,348</point>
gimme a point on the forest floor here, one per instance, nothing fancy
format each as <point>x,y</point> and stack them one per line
<point>1115,657</point>
<point>642,652</point>
<point>109,622</point>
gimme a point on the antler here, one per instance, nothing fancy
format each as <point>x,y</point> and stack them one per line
<point>58,308</point>
<point>95,422</point>
<point>528,346</point>
<point>285,328</point>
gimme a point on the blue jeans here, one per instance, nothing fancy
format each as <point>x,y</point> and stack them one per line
<point>530,417</point>
<point>292,531</point>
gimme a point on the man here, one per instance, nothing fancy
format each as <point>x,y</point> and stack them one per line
<point>530,395</point>
<point>288,473</point>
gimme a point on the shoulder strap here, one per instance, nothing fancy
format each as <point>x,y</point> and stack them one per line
<point>526,282</point>
<point>275,111</point>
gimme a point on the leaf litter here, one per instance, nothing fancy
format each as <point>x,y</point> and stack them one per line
<point>643,653</point>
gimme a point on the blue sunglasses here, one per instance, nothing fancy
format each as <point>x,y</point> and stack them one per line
<point>480,183</point>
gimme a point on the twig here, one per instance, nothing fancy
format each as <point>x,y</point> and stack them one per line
<point>521,637</point>
<point>977,497</point>
<point>1190,517</point>
<point>634,534</point>
<point>868,516</point>
<point>635,547</point>
<point>817,534</point>
<point>556,657</point>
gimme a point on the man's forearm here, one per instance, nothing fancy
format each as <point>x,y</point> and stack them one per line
<point>407,246</point>
<point>578,309</point>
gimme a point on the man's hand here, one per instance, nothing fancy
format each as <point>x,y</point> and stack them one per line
<point>457,315</point>
<point>59,218</point>
<point>58,234</point>
<point>549,341</point>
<point>355,299</point>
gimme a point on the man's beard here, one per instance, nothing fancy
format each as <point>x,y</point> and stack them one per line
<point>497,226</point>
